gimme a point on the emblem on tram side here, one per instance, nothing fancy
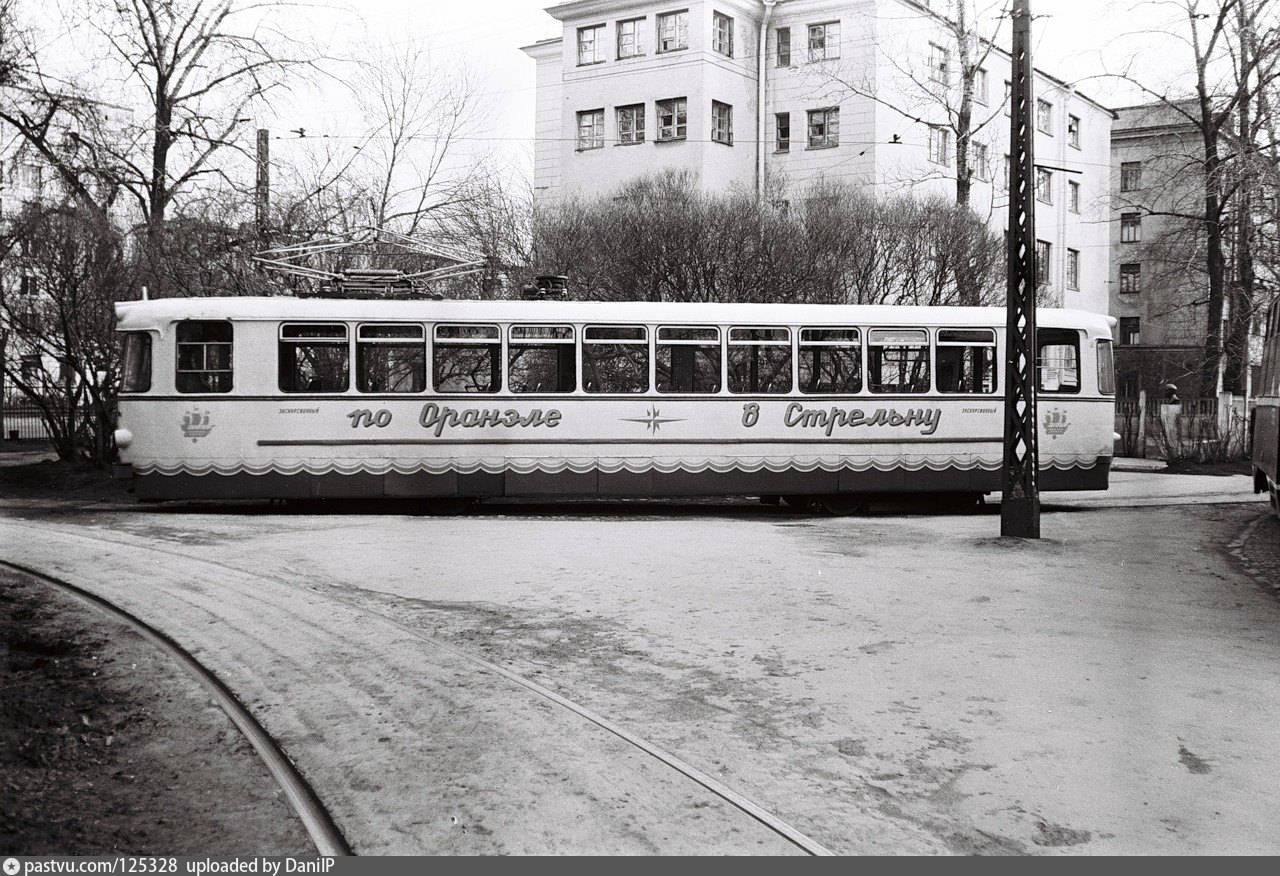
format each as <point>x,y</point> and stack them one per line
<point>196,424</point>
<point>653,419</point>
<point>1055,422</point>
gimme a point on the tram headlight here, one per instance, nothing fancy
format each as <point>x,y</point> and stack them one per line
<point>123,438</point>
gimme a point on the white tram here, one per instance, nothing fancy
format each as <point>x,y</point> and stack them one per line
<point>284,398</point>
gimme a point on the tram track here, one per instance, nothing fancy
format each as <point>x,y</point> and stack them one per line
<point>737,800</point>
<point>315,818</point>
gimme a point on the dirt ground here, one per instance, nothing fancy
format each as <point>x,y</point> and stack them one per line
<point>105,747</point>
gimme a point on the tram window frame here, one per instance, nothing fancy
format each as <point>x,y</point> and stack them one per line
<point>290,346</point>
<point>1063,338</point>
<point>206,352</point>
<point>556,348</point>
<point>816,339</point>
<point>136,362</point>
<point>749,342</point>
<point>459,337</point>
<point>876,349</point>
<point>1106,367</point>
<point>674,341</point>
<point>597,337</point>
<point>967,340</point>
<point>371,346</point>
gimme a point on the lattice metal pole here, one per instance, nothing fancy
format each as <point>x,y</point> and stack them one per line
<point>1020,502</point>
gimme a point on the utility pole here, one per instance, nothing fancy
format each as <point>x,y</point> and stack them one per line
<point>1020,500</point>
<point>262,190</point>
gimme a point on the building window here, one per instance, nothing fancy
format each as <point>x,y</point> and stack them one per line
<point>722,34</point>
<point>1131,278</point>
<point>981,86</point>
<point>784,46</point>
<point>204,356</point>
<point>673,117</point>
<point>590,44</point>
<point>591,129</point>
<point>824,128</point>
<point>631,123</point>
<point>1130,227</point>
<point>939,64</point>
<point>782,128</point>
<point>673,31</point>
<point>1130,176</point>
<point>1073,131</point>
<point>1130,331</point>
<point>31,176</point>
<point>1044,116</point>
<point>1073,269</point>
<point>631,38</point>
<point>1043,253</point>
<point>1073,196</point>
<point>1008,98</point>
<point>824,41</point>
<point>1044,185</point>
<point>980,165</point>
<point>721,123</point>
<point>1003,181</point>
<point>940,145</point>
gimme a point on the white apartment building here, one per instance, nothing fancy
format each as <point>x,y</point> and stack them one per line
<point>854,91</point>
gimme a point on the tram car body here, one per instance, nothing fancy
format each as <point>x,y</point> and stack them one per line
<point>1266,414</point>
<point>283,398</point>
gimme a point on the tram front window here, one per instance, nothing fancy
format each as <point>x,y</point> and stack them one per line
<point>136,356</point>
<point>1058,360</point>
<point>466,358</point>
<point>314,357</point>
<point>688,360</point>
<point>898,360</point>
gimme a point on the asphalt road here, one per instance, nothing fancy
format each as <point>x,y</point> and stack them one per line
<point>897,683</point>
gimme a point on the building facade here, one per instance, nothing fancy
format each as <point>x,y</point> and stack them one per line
<point>775,96</point>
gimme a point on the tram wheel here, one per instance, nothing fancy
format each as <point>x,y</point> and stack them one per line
<point>450,506</point>
<point>800,503</point>
<point>844,504</point>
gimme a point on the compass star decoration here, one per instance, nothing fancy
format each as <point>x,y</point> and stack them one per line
<point>653,419</point>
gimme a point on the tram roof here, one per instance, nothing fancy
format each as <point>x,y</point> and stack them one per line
<point>157,312</point>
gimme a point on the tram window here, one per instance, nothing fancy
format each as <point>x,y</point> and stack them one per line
<point>204,356</point>
<point>615,358</point>
<point>1058,360</point>
<point>136,356</point>
<point>966,360</point>
<point>1106,369</point>
<point>467,358</point>
<point>541,358</point>
<point>391,358</point>
<point>688,360</point>
<point>898,360</point>
<point>314,357</point>
<point>830,361</point>
<point>759,360</point>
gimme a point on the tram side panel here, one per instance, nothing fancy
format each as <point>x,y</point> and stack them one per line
<point>574,446</point>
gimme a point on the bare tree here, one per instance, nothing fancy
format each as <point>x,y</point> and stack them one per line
<point>60,320</point>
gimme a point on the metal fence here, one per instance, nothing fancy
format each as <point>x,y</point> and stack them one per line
<point>22,422</point>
